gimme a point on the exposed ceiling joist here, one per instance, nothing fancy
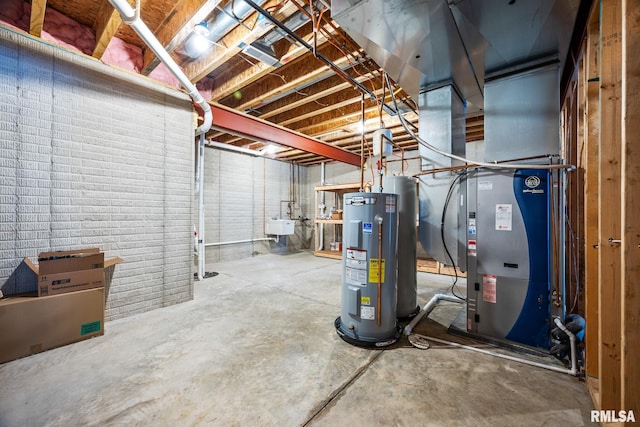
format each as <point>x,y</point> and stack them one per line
<point>105,26</point>
<point>38,10</point>
<point>177,27</point>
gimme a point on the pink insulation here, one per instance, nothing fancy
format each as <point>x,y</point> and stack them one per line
<point>205,87</point>
<point>162,74</point>
<point>123,55</point>
<point>16,14</point>
<point>66,32</point>
<point>62,30</point>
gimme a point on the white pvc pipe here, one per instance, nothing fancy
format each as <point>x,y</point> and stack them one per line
<point>201,224</point>
<point>231,242</point>
<point>130,17</point>
<point>571,371</point>
<point>439,297</point>
<point>427,309</point>
<point>322,200</point>
<point>573,341</point>
<point>229,147</point>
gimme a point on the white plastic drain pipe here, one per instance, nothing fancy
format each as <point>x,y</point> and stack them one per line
<point>201,226</point>
<point>427,309</point>
<point>439,297</point>
<point>130,17</point>
<point>573,371</point>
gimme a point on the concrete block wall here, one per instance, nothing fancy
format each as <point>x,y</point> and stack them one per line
<point>241,192</point>
<point>92,156</point>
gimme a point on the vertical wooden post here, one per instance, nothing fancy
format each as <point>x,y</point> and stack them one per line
<point>592,134</point>
<point>630,313</point>
<point>609,201</point>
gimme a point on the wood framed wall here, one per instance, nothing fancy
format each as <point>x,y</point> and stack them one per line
<point>604,197</point>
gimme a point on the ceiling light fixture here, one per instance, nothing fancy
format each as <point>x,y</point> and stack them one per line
<point>201,28</point>
<point>198,41</point>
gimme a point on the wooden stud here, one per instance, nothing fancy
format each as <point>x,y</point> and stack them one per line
<point>591,125</point>
<point>609,201</point>
<point>630,313</point>
<point>105,26</point>
<point>38,10</point>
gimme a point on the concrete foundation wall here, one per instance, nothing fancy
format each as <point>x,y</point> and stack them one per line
<point>241,192</point>
<point>91,156</point>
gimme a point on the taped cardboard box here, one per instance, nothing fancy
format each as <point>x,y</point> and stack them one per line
<point>35,324</point>
<point>68,271</point>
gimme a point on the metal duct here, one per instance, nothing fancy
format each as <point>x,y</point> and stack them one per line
<point>229,17</point>
<point>423,43</point>
<point>442,124</point>
<point>526,105</point>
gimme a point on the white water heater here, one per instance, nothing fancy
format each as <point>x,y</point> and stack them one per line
<point>369,274</point>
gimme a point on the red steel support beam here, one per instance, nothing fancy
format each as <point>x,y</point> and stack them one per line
<point>234,122</point>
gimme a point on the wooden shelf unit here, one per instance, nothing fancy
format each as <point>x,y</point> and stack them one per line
<point>423,265</point>
<point>338,190</point>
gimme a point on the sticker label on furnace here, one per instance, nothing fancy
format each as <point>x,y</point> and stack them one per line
<point>504,217</point>
<point>489,293</point>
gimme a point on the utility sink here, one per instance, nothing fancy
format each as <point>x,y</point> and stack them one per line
<point>280,227</point>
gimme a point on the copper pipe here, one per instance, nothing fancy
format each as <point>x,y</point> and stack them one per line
<point>362,140</point>
<point>379,269</point>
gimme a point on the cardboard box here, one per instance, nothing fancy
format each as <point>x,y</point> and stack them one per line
<point>34,324</point>
<point>83,261</point>
<point>70,271</point>
<point>60,283</point>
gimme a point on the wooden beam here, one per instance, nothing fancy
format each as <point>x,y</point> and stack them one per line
<point>294,75</point>
<point>592,155</point>
<point>609,202</point>
<point>229,82</point>
<point>325,87</point>
<point>333,104</point>
<point>630,313</point>
<point>38,10</point>
<point>105,26</point>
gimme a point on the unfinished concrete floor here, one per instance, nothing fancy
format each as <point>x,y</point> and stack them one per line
<point>257,347</point>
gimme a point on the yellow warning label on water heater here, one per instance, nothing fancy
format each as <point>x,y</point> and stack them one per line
<point>373,270</point>
<point>365,300</point>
